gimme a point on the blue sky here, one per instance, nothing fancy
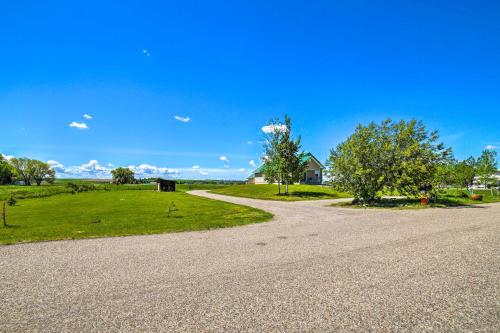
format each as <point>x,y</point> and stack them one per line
<point>229,67</point>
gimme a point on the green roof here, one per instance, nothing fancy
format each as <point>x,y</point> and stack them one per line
<point>307,157</point>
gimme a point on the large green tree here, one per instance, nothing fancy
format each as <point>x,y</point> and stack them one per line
<point>284,161</point>
<point>41,171</point>
<point>23,169</point>
<point>487,168</point>
<point>401,156</point>
<point>465,172</point>
<point>7,172</point>
<point>32,171</point>
<point>294,162</point>
<point>272,167</point>
<point>123,176</point>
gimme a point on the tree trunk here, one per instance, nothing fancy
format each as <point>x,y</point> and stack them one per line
<point>279,187</point>
<point>286,187</point>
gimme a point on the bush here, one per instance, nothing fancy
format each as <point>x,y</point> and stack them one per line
<point>12,201</point>
<point>476,197</point>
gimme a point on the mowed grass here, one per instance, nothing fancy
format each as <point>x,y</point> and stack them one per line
<point>270,192</point>
<point>119,213</point>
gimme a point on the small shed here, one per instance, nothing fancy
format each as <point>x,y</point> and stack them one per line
<point>164,185</point>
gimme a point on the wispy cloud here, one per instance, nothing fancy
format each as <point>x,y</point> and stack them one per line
<point>250,142</point>
<point>224,159</point>
<point>196,166</point>
<point>182,119</point>
<point>252,163</point>
<point>492,147</point>
<point>242,170</point>
<point>203,173</point>
<point>87,116</point>
<point>146,52</point>
<point>80,126</point>
<point>273,128</point>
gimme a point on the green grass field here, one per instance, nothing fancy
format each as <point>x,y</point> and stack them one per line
<point>270,192</point>
<point>118,213</point>
<point>60,187</point>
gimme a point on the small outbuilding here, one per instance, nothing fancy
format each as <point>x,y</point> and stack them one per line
<point>164,185</point>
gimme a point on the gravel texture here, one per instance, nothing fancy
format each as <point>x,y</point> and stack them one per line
<point>313,268</point>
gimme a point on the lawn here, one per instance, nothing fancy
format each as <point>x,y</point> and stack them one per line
<point>119,213</point>
<point>270,192</point>
<point>61,187</point>
<point>449,198</point>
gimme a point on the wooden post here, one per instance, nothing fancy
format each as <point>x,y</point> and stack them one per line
<point>4,215</point>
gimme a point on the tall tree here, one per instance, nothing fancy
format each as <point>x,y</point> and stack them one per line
<point>486,168</point>
<point>359,164</point>
<point>465,172</point>
<point>400,156</point>
<point>6,171</point>
<point>23,168</point>
<point>272,167</point>
<point>284,161</point>
<point>123,176</point>
<point>294,162</point>
<point>41,171</point>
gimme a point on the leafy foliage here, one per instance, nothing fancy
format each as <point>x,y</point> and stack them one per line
<point>398,156</point>
<point>32,171</point>
<point>123,176</point>
<point>486,168</point>
<point>284,161</point>
<point>464,173</point>
<point>7,172</point>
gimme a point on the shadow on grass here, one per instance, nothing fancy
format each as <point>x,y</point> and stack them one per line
<point>305,194</point>
<point>412,203</point>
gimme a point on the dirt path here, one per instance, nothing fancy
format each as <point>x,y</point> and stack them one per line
<point>313,268</point>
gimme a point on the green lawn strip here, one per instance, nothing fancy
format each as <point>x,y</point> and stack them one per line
<point>443,201</point>
<point>119,213</point>
<point>270,192</point>
<point>47,190</point>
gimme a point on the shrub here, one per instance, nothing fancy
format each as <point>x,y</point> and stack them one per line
<point>476,197</point>
<point>171,208</point>
<point>12,201</point>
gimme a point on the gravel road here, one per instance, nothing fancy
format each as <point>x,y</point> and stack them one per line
<point>313,268</point>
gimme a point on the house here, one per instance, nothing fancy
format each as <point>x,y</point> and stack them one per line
<point>313,174</point>
<point>496,177</point>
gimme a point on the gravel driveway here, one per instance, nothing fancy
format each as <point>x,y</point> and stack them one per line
<point>314,268</point>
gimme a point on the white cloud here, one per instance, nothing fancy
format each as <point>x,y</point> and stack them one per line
<point>80,126</point>
<point>242,170</point>
<point>146,170</point>
<point>111,165</point>
<point>183,119</point>
<point>203,173</point>
<point>196,166</point>
<point>55,165</point>
<point>146,52</point>
<point>252,163</point>
<point>268,129</point>
<point>224,159</point>
<point>250,142</point>
<point>87,116</point>
<point>492,147</point>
